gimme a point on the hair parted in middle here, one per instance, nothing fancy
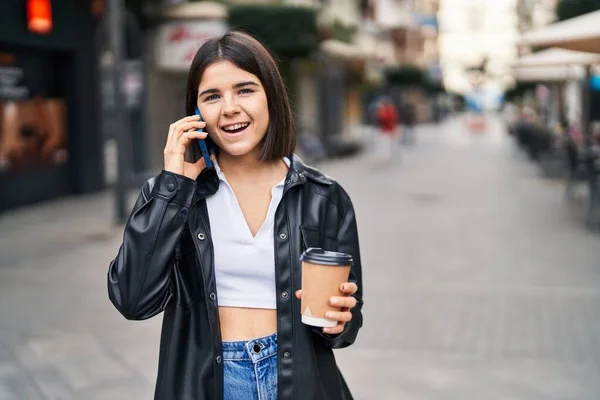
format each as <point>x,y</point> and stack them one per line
<point>247,53</point>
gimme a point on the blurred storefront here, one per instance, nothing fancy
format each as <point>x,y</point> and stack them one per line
<point>50,143</point>
<point>177,35</point>
<point>352,56</point>
<point>133,87</point>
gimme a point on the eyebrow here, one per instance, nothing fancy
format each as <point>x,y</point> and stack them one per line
<point>236,86</point>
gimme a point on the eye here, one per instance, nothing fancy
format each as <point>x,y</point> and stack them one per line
<point>246,91</point>
<point>211,97</point>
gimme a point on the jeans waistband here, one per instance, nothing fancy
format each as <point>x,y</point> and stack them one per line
<point>254,350</point>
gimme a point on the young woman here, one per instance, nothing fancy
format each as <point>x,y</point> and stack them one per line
<point>217,249</point>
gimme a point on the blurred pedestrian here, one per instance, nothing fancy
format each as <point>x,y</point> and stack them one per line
<point>217,249</point>
<point>408,117</point>
<point>387,120</point>
<point>310,147</point>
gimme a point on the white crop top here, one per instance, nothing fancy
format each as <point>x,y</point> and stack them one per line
<point>244,265</point>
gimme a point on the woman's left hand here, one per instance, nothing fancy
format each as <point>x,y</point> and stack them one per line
<point>344,303</point>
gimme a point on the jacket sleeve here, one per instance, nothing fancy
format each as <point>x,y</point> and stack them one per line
<point>139,278</point>
<point>348,243</point>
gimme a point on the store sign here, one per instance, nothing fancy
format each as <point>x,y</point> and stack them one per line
<point>11,83</point>
<point>178,42</point>
<point>33,117</point>
<point>39,16</point>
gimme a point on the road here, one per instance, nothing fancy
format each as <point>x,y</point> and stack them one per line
<point>480,283</point>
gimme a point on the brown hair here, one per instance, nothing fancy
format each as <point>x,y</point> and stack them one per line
<point>249,54</point>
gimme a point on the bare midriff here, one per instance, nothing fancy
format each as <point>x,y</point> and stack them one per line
<point>238,324</point>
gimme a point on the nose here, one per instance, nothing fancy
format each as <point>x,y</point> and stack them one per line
<point>230,106</point>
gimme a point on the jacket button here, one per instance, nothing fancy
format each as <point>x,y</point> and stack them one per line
<point>287,181</point>
<point>201,236</point>
<point>170,187</point>
<point>285,295</point>
<point>212,296</point>
<point>218,359</point>
<point>287,355</point>
<point>282,236</point>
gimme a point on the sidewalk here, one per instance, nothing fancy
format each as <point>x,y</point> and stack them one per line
<point>60,338</point>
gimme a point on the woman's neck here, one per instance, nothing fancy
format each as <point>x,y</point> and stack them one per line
<point>244,166</point>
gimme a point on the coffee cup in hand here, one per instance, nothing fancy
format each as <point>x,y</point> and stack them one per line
<point>323,273</point>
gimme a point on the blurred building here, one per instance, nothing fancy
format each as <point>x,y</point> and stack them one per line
<point>413,33</point>
<point>427,19</point>
<point>414,28</point>
<point>173,39</point>
<point>566,91</point>
<point>534,14</point>
<point>50,141</point>
<point>475,33</point>
<point>59,125</point>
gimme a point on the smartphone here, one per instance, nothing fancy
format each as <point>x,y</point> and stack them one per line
<point>202,144</point>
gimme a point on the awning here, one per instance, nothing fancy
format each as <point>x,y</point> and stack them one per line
<point>580,33</point>
<point>548,74</point>
<point>558,57</point>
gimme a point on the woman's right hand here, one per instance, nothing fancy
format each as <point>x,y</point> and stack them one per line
<point>181,134</point>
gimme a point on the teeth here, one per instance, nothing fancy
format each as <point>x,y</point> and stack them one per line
<point>234,127</point>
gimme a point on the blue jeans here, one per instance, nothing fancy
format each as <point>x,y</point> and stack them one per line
<point>250,369</point>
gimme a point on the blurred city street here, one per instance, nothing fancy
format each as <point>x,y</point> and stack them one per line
<point>480,283</point>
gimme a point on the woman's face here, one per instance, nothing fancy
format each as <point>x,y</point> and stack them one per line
<point>234,106</point>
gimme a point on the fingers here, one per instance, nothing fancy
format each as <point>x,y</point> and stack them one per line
<point>177,129</point>
<point>341,316</point>
<point>173,127</point>
<point>343,302</point>
<point>176,147</point>
<point>188,119</point>
<point>299,294</point>
<point>186,137</point>
<point>349,288</point>
<point>336,329</point>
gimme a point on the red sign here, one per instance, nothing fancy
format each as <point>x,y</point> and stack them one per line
<point>182,33</point>
<point>39,16</point>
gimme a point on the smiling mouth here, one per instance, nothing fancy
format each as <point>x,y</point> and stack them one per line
<point>235,128</point>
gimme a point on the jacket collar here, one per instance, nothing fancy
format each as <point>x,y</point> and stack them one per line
<point>303,171</point>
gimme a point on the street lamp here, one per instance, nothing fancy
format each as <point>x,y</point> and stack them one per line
<point>115,17</point>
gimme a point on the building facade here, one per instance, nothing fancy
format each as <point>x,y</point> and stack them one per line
<point>50,141</point>
<point>475,33</point>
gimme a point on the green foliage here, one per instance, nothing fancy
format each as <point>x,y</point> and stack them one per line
<point>567,9</point>
<point>287,31</point>
<point>434,86</point>
<point>405,76</point>
<point>518,90</point>
<point>342,33</point>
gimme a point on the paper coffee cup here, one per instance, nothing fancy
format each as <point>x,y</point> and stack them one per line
<point>323,272</point>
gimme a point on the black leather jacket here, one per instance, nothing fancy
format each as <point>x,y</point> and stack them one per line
<point>166,264</point>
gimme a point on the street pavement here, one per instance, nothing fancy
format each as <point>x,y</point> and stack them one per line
<point>481,282</point>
